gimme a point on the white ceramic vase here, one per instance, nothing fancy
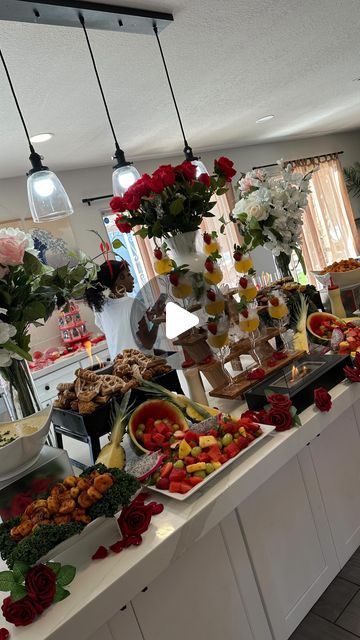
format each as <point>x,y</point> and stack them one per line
<point>185,249</point>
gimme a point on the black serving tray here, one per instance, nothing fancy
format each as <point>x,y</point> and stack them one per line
<point>328,375</point>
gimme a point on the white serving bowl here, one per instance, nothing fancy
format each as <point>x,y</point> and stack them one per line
<point>341,278</point>
<point>20,454</point>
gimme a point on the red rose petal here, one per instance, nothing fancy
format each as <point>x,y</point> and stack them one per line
<point>129,541</point>
<point>101,553</point>
<point>117,546</point>
<point>279,355</point>
<point>144,495</point>
<point>156,507</point>
<point>4,634</point>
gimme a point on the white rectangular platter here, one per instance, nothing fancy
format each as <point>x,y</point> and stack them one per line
<point>183,496</point>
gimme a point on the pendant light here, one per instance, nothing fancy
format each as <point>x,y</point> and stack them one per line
<point>47,197</point>
<point>124,174</point>
<point>200,167</point>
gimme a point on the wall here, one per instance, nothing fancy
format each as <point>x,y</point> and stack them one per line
<point>96,181</point>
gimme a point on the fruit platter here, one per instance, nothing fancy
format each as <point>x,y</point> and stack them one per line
<point>180,455</point>
<point>322,325</point>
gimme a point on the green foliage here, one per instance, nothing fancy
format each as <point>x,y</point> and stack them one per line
<point>352,179</point>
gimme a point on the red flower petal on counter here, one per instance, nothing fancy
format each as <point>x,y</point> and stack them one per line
<point>279,355</point>
<point>100,553</point>
<point>4,634</point>
<point>322,399</point>
<point>130,541</point>
<point>157,508</point>
<point>256,374</point>
<point>117,546</point>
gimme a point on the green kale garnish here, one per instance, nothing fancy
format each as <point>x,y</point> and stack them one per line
<point>119,495</point>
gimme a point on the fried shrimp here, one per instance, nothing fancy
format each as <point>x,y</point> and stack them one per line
<point>103,482</point>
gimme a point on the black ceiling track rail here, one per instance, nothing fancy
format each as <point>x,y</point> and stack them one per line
<point>88,201</point>
<point>65,13</point>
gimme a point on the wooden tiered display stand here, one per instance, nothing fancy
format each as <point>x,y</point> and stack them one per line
<point>196,346</point>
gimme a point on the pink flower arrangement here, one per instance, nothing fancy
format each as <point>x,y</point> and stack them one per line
<point>13,244</point>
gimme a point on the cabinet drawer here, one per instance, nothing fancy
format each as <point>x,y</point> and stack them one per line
<point>46,386</point>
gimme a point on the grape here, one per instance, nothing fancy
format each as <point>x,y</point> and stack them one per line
<point>227,439</point>
<point>140,427</point>
<point>139,434</point>
<point>220,443</point>
<point>209,468</point>
<point>195,451</point>
<point>199,474</point>
<point>179,464</point>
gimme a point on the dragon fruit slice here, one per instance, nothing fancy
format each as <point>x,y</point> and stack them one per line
<point>146,465</point>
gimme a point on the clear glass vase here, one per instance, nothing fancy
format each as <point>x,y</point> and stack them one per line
<point>184,249</point>
<point>21,390</point>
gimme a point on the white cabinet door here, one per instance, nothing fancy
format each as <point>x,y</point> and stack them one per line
<point>196,597</point>
<point>122,626</point>
<point>288,539</point>
<point>336,458</point>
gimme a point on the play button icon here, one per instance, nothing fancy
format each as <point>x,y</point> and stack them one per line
<point>178,320</point>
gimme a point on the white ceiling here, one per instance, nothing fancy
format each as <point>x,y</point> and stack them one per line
<point>231,61</point>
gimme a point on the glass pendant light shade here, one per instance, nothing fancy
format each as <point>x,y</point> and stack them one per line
<point>123,177</point>
<point>200,167</point>
<point>48,199</point>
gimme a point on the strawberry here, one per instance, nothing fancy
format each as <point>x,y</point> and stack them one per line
<point>209,265</point>
<point>163,483</point>
<point>211,295</point>
<point>237,255</point>
<point>245,313</point>
<point>243,282</point>
<point>212,327</point>
<point>158,253</point>
<point>274,301</point>
<point>207,238</point>
<point>174,278</point>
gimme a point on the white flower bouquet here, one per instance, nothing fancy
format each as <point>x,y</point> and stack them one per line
<point>270,209</point>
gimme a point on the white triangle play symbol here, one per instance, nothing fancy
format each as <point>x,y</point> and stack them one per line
<point>178,320</point>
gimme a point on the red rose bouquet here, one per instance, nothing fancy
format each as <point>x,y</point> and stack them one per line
<point>172,200</point>
<point>33,589</point>
<point>280,412</point>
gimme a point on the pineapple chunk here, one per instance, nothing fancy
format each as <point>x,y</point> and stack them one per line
<point>184,449</point>
<point>207,441</point>
<point>198,466</point>
<point>216,465</point>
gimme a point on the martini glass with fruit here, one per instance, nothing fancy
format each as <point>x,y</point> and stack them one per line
<point>249,323</point>
<point>181,286</point>
<point>279,312</point>
<point>212,271</point>
<point>247,288</point>
<point>211,243</point>
<point>163,264</point>
<point>242,260</point>
<point>214,302</point>
<point>218,338</point>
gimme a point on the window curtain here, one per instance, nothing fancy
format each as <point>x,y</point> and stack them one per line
<point>329,230</point>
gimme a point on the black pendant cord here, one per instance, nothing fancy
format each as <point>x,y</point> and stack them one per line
<point>32,150</point>
<point>187,149</point>
<point>82,22</point>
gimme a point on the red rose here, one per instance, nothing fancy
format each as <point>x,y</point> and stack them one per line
<point>263,417</point>
<point>187,170</point>
<point>40,485</point>
<point>122,224</point>
<point>132,200</point>
<point>157,185</point>
<point>135,519</point>
<point>280,400</point>
<point>19,503</point>
<point>224,167</point>
<point>280,418</point>
<point>118,205</point>
<point>40,583</point>
<point>256,374</point>
<point>166,173</point>
<point>205,179</point>
<point>322,399</point>
<point>22,612</point>
<point>141,187</point>
<point>352,374</point>
<point>4,634</point>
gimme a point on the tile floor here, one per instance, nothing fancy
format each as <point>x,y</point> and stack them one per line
<point>336,615</point>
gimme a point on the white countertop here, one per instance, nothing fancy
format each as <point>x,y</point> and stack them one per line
<point>102,587</point>
<point>68,360</point>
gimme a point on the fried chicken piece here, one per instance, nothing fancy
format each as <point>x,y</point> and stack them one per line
<point>84,500</point>
<point>103,482</point>
<point>67,506</point>
<point>62,519</point>
<point>22,530</point>
<point>70,481</point>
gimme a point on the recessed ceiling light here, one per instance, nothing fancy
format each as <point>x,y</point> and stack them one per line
<point>265,118</point>
<point>41,137</point>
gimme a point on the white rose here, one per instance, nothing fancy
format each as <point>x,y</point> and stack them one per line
<point>255,209</point>
<point>7,331</point>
